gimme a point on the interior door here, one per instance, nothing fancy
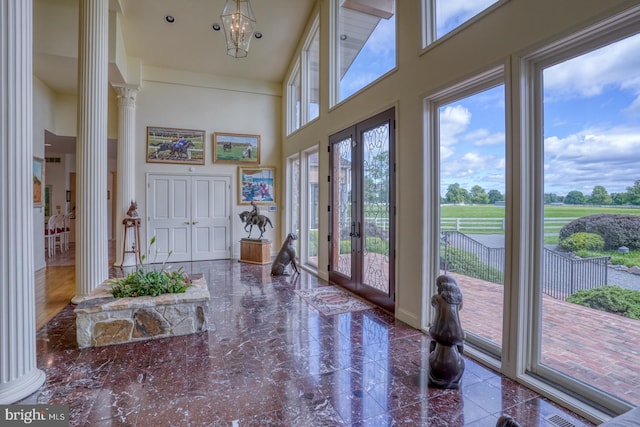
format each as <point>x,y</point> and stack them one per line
<point>362,240</point>
<point>189,217</point>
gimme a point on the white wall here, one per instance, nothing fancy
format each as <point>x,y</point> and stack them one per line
<point>43,107</point>
<point>170,98</point>
<point>511,28</point>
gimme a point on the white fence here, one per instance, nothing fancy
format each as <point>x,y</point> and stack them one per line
<point>551,225</point>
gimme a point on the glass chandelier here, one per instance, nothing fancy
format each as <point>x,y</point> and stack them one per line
<point>239,24</point>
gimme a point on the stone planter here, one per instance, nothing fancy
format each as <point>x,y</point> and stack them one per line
<point>103,320</point>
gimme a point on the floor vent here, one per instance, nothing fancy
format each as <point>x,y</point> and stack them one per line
<point>558,421</point>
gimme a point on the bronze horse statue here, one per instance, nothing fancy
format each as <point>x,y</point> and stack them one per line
<point>251,218</point>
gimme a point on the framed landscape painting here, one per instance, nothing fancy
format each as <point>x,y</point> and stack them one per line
<point>170,145</point>
<point>38,181</point>
<point>236,148</point>
<point>256,185</point>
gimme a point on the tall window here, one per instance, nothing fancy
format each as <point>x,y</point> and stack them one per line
<point>364,44</point>
<point>443,16</point>
<point>470,124</point>
<point>303,87</point>
<point>310,221</point>
<point>293,200</point>
<point>589,146</point>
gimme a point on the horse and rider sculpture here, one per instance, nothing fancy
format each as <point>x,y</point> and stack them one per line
<point>252,217</point>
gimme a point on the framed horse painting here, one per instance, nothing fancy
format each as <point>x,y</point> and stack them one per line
<point>236,148</point>
<point>170,145</point>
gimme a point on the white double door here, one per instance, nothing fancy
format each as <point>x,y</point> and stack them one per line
<point>190,217</point>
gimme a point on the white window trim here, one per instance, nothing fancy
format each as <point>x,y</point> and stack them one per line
<point>528,132</point>
<point>305,206</point>
<point>305,74</point>
<point>292,124</point>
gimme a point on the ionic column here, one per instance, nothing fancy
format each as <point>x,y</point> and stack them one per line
<point>92,255</point>
<point>125,189</point>
<point>19,376</point>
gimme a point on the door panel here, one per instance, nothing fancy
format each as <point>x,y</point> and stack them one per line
<point>363,208</point>
<point>190,217</point>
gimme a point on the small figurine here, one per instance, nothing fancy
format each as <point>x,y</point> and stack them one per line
<point>446,364</point>
<point>133,210</point>
<point>286,255</point>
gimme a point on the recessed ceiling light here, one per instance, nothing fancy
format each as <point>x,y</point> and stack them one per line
<point>170,19</point>
<point>343,36</point>
<point>216,27</point>
<point>258,35</point>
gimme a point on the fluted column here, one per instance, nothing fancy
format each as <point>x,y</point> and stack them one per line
<point>125,188</point>
<point>92,256</point>
<point>19,376</point>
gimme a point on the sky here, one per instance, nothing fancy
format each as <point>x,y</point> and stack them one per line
<point>591,114</point>
<point>591,126</point>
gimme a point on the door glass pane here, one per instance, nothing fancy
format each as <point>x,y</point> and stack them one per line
<point>472,179</point>
<point>590,298</point>
<point>312,211</point>
<point>294,200</point>
<point>342,221</point>
<point>375,228</point>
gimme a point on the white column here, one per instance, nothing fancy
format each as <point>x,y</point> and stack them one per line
<point>92,256</point>
<point>19,376</point>
<point>126,189</point>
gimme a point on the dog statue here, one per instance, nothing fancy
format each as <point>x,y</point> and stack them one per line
<point>286,255</point>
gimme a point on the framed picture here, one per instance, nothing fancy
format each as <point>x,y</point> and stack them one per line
<point>169,145</point>
<point>256,185</point>
<point>38,181</point>
<point>236,148</point>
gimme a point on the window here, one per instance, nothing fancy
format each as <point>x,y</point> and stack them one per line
<point>443,16</point>
<point>303,87</point>
<point>582,124</point>
<point>364,40</point>
<point>293,200</point>
<point>469,122</point>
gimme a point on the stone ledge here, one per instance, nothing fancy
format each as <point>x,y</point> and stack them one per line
<point>102,319</point>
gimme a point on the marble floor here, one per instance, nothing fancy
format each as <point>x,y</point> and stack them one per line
<point>271,359</point>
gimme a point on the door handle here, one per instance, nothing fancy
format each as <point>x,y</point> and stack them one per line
<point>194,222</point>
<point>353,229</point>
<point>187,222</point>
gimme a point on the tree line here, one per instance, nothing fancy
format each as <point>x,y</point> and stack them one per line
<point>599,196</point>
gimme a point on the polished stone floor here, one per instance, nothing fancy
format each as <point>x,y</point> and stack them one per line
<point>270,359</point>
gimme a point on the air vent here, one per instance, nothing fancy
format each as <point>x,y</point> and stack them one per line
<point>558,421</point>
<point>52,159</point>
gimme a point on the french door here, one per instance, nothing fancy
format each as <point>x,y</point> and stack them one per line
<point>362,210</point>
<point>189,217</point>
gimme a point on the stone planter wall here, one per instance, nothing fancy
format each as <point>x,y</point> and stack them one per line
<point>104,320</point>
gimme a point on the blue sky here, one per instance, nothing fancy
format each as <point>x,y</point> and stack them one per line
<point>591,126</point>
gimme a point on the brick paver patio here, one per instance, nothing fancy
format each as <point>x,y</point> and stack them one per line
<point>601,349</point>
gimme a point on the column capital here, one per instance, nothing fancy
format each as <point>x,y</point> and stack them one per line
<point>126,93</point>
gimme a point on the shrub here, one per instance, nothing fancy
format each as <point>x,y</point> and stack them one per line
<point>345,246</point>
<point>468,264</point>
<point>377,245</point>
<point>612,299</point>
<point>583,241</point>
<point>313,242</point>
<point>616,229</point>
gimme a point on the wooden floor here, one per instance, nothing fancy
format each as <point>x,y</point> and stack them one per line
<point>56,284</point>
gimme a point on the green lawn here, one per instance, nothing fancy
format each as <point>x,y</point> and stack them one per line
<point>491,211</point>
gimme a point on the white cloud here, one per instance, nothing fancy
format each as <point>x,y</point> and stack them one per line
<point>588,75</point>
<point>454,120</point>
<point>481,137</point>
<point>382,40</point>
<point>592,157</point>
<point>458,11</point>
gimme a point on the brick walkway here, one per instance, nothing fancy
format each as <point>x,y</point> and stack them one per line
<point>599,348</point>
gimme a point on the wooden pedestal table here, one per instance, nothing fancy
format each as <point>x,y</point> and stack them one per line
<point>255,251</point>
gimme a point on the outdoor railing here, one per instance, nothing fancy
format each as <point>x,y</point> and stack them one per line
<point>563,275</point>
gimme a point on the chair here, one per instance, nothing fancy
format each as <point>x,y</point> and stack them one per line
<point>51,234</point>
<point>59,238</point>
<point>67,230</point>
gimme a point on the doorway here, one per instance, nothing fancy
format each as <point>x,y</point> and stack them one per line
<point>190,217</point>
<point>362,209</point>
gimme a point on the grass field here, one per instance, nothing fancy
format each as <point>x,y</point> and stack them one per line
<point>566,211</point>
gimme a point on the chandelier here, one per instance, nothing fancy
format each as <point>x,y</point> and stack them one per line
<point>239,24</point>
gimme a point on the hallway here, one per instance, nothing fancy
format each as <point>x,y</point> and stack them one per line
<point>271,359</point>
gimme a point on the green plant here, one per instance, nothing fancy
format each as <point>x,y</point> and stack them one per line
<point>612,299</point>
<point>468,264</point>
<point>377,245</point>
<point>150,282</point>
<point>583,241</point>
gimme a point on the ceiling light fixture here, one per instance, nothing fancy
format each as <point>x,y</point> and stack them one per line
<point>170,19</point>
<point>239,23</point>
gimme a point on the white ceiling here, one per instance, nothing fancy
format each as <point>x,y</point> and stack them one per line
<point>189,43</point>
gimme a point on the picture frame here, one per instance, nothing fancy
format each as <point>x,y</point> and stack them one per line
<point>38,182</point>
<point>236,148</point>
<point>174,145</point>
<point>256,184</point>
